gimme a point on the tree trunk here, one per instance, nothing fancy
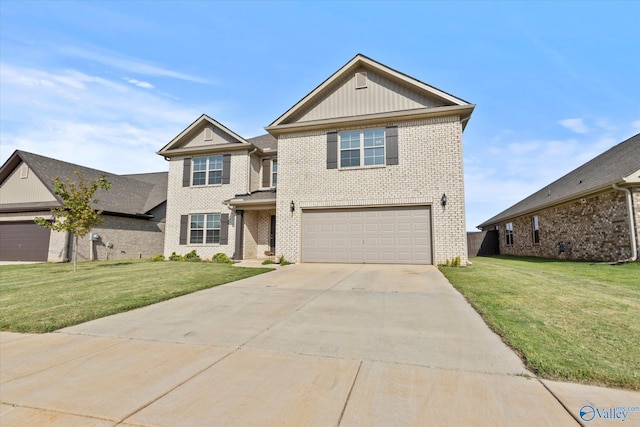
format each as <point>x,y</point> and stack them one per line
<point>75,252</point>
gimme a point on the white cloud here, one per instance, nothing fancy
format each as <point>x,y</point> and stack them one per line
<point>89,120</point>
<point>144,85</point>
<point>503,173</point>
<point>575,125</point>
<point>132,65</point>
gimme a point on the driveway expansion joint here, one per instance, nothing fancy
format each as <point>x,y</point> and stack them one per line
<point>80,356</point>
<point>575,417</point>
<point>180,384</point>
<point>346,401</point>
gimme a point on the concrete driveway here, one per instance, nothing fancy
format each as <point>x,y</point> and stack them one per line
<point>306,345</point>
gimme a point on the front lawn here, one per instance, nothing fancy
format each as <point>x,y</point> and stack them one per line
<point>569,321</point>
<point>46,297</point>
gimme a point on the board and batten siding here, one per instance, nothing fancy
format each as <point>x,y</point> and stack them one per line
<point>23,186</point>
<point>380,96</point>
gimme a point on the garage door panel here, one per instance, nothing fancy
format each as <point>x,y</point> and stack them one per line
<point>370,235</point>
<point>404,227</point>
<point>23,241</point>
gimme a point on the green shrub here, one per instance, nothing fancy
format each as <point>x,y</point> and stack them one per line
<point>157,258</point>
<point>221,258</point>
<point>175,257</point>
<point>192,256</point>
<point>282,261</point>
<point>452,262</point>
<point>268,262</point>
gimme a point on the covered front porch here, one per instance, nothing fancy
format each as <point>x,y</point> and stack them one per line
<point>255,225</point>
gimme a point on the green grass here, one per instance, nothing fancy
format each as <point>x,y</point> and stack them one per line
<point>569,321</point>
<point>46,297</point>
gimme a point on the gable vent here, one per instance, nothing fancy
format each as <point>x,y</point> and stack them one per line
<point>24,172</point>
<point>208,134</point>
<point>361,80</point>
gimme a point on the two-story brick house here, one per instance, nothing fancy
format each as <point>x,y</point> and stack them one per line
<point>367,166</point>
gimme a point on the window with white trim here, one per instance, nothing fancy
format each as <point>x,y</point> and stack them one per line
<point>204,228</point>
<point>362,148</point>
<point>274,173</point>
<point>508,233</point>
<point>207,170</point>
<point>535,229</point>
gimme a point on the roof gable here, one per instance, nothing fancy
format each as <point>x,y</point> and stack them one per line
<point>129,194</point>
<point>387,90</point>
<point>382,94</point>
<point>20,185</point>
<point>618,165</point>
<point>203,134</point>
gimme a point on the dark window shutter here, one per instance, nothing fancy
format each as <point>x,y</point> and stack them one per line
<point>266,173</point>
<point>226,168</point>
<point>332,150</point>
<point>392,145</point>
<point>184,229</point>
<point>224,229</point>
<point>186,172</point>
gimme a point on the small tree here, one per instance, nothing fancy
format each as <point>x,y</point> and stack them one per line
<point>76,215</point>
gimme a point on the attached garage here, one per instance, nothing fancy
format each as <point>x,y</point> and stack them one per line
<point>377,235</point>
<point>23,241</point>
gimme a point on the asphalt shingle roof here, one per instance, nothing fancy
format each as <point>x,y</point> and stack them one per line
<point>603,171</point>
<point>266,142</point>
<point>129,194</point>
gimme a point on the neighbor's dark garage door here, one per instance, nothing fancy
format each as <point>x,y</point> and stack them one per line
<point>23,241</point>
<point>380,235</point>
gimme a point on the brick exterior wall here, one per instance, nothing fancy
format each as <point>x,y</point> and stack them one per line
<point>202,199</point>
<point>430,164</point>
<point>636,211</point>
<point>256,233</point>
<point>250,235</point>
<point>131,238</point>
<point>264,229</point>
<point>592,229</point>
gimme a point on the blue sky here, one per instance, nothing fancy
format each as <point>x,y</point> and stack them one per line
<point>107,84</point>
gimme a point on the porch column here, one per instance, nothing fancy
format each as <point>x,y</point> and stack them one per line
<point>239,235</point>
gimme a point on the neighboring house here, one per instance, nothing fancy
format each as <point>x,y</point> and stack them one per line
<point>367,166</point>
<point>133,211</point>
<point>592,213</point>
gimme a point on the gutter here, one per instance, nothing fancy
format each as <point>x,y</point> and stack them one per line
<point>632,228</point>
<point>555,202</point>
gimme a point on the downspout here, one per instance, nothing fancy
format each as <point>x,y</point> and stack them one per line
<point>632,228</point>
<point>249,171</point>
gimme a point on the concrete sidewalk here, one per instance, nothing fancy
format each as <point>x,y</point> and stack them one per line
<point>306,345</point>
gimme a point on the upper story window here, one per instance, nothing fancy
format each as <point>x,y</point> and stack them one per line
<point>207,170</point>
<point>508,233</point>
<point>204,228</point>
<point>274,173</point>
<point>362,148</point>
<point>535,229</point>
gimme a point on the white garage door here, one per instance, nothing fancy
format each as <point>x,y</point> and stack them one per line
<point>398,235</point>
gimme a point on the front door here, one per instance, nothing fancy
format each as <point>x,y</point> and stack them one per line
<point>272,235</point>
